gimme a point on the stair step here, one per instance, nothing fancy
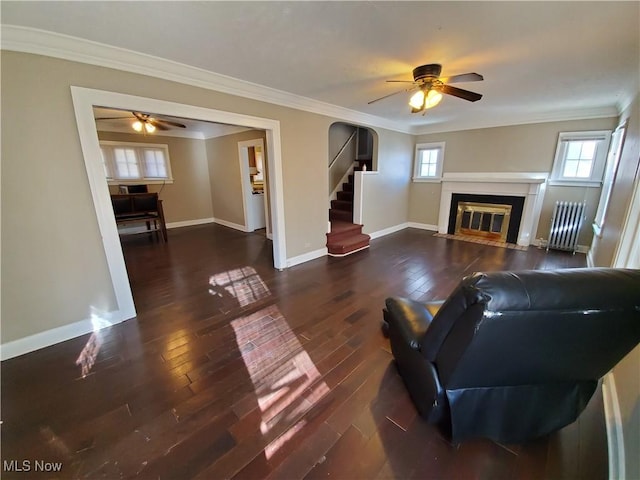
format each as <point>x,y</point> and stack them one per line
<point>347,187</point>
<point>341,227</point>
<point>349,244</point>
<point>342,230</point>
<point>348,196</point>
<point>346,205</point>
<point>341,215</point>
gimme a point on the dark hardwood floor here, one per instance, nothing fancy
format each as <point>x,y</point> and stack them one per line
<point>235,370</point>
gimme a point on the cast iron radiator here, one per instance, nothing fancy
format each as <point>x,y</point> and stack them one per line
<point>565,225</point>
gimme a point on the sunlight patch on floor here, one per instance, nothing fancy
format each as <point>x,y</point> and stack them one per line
<point>284,377</point>
<point>243,284</point>
<point>89,353</point>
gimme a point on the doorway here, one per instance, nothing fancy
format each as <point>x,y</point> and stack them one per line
<point>85,99</point>
<point>254,194</point>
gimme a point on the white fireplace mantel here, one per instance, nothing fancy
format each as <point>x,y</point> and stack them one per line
<point>530,185</point>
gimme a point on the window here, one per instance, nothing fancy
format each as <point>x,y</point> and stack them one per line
<point>428,162</point>
<point>617,140</point>
<point>135,162</point>
<point>580,158</point>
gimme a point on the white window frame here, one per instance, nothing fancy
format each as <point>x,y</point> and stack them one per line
<point>420,147</point>
<point>602,137</point>
<point>139,149</point>
<point>613,156</point>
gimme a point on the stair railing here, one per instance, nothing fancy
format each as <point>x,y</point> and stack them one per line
<point>342,162</point>
<point>343,148</point>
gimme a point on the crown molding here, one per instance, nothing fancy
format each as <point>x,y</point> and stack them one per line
<point>42,42</point>
<point>506,121</point>
<point>163,133</point>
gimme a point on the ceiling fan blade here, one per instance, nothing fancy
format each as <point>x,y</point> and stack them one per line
<point>157,123</point>
<point>401,81</point>
<point>460,93</point>
<point>390,95</point>
<point>112,118</point>
<point>168,122</point>
<point>464,77</point>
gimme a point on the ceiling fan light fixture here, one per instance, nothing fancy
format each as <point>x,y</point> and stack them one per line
<point>433,99</point>
<point>149,128</point>
<point>417,100</point>
<point>137,126</point>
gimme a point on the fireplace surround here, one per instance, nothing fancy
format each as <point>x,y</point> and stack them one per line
<point>529,186</point>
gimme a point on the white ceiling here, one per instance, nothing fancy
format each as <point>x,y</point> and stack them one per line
<point>122,120</point>
<point>540,60</point>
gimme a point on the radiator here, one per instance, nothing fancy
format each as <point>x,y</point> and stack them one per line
<point>565,225</point>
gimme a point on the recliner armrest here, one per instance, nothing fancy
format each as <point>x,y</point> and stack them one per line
<point>409,318</point>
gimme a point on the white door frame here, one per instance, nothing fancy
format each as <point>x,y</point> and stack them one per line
<point>247,189</point>
<point>84,99</point>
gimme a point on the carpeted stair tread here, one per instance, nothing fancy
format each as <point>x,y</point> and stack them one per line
<point>341,215</point>
<point>349,244</point>
<point>342,205</point>
<point>339,227</point>
<point>344,195</point>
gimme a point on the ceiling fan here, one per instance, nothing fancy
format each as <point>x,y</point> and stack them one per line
<point>147,122</point>
<point>426,80</point>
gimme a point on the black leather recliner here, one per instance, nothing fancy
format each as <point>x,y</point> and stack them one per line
<point>513,356</point>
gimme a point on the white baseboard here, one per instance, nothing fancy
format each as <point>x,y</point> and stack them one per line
<point>613,422</point>
<point>306,257</point>
<point>59,334</point>
<point>235,226</point>
<point>388,231</point>
<point>339,255</point>
<point>190,223</point>
<point>424,226</point>
<point>542,244</point>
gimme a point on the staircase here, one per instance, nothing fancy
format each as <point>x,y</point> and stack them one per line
<point>346,237</point>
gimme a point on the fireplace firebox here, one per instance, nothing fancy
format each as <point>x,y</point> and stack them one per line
<point>496,217</point>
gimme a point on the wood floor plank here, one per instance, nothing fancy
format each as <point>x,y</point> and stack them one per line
<point>233,369</point>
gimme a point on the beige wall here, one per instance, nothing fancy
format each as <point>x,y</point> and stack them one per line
<point>225,180</point>
<point>54,270</point>
<point>189,196</point>
<point>41,149</point>
<point>627,373</point>
<point>518,148</point>
<point>386,193</point>
<point>424,204</point>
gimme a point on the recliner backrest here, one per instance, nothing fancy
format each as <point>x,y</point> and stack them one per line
<point>517,328</point>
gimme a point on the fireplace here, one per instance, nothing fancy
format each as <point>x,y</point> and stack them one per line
<point>486,220</point>
<point>523,191</point>
<point>496,217</point>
